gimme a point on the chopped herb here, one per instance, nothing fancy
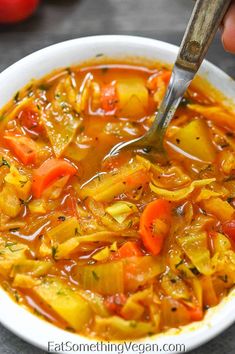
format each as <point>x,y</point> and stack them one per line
<point>76,232</point>
<point>10,244</point>
<point>147,149</point>
<point>14,229</point>
<point>185,101</point>
<point>24,202</point>
<point>30,93</point>
<point>230,200</point>
<point>96,277</point>
<point>81,129</point>
<point>179,264</point>
<point>224,278</point>
<point>203,212</point>
<point>129,224</point>
<point>133,324</point>
<point>70,329</point>
<point>151,334</point>
<point>61,218</point>
<point>38,107</point>
<point>54,250</point>
<point>173,281</point>
<point>4,163</point>
<point>224,145</point>
<point>43,87</point>
<point>16,295</point>
<point>229,134</point>
<point>23,183</point>
<point>16,97</point>
<point>60,292</point>
<point>99,55</point>
<point>195,271</point>
<point>104,70</point>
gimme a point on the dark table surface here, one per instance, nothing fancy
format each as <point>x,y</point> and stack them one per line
<point>59,20</point>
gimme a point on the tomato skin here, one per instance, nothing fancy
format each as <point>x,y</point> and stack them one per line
<point>229,229</point>
<point>29,119</point>
<point>12,11</point>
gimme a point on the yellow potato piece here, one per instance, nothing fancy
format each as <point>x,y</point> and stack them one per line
<point>194,139</point>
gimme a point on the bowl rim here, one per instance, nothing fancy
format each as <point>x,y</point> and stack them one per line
<point>37,331</point>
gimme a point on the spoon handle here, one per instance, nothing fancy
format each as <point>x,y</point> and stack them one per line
<point>204,22</point>
<point>202,27</point>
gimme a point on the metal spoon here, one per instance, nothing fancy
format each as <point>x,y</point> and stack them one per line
<point>202,27</point>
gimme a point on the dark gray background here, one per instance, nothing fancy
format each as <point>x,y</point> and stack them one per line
<point>59,20</point>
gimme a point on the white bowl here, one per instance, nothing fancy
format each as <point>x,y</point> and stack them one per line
<point>19,320</point>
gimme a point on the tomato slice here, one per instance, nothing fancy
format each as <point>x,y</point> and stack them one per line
<point>229,229</point>
<point>109,98</point>
<point>29,120</point>
<point>16,10</point>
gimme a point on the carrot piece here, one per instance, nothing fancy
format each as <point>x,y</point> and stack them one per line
<point>109,98</point>
<point>156,80</point>
<point>23,147</point>
<point>196,313</point>
<point>48,172</point>
<point>129,249</point>
<point>154,225</point>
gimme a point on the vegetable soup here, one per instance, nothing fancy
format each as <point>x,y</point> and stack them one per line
<point>124,247</point>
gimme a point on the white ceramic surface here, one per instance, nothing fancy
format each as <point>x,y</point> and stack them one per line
<point>21,321</point>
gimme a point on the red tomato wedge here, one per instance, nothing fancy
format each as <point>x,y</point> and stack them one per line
<point>156,80</point>
<point>48,172</point>
<point>229,229</point>
<point>109,98</point>
<point>129,249</point>
<point>16,10</point>
<point>154,225</point>
<point>24,148</point>
<point>29,120</point>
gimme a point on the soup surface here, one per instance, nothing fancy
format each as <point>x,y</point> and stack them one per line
<point>124,247</point>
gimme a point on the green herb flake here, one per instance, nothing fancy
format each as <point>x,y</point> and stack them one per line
<point>133,324</point>
<point>54,250</point>
<point>96,277</point>
<point>16,97</point>
<point>14,229</point>
<point>224,278</point>
<point>43,87</point>
<point>16,295</point>
<point>4,163</point>
<point>179,264</point>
